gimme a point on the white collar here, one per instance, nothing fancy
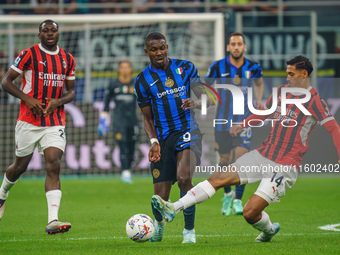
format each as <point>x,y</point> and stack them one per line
<point>49,52</point>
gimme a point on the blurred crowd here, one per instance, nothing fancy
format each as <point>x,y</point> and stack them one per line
<point>327,14</point>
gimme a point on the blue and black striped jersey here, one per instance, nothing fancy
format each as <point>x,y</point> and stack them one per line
<point>164,91</point>
<point>242,77</point>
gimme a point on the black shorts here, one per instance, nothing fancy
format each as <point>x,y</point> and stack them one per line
<point>166,168</point>
<point>225,142</point>
<point>126,134</point>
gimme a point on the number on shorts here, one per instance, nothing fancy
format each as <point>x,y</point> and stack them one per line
<point>246,132</point>
<point>277,180</point>
<point>62,133</point>
<point>186,137</point>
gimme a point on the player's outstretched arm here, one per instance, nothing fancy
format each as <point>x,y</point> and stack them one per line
<point>64,99</point>
<point>333,128</point>
<point>150,129</point>
<point>7,84</point>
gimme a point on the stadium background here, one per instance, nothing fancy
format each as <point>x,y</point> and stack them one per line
<point>288,29</point>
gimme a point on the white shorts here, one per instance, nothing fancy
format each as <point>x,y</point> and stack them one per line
<point>275,178</point>
<point>28,136</point>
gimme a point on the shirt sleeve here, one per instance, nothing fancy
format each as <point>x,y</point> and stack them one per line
<point>212,71</point>
<point>319,109</point>
<point>143,98</point>
<point>71,69</point>
<point>23,61</point>
<point>258,72</point>
<point>334,129</point>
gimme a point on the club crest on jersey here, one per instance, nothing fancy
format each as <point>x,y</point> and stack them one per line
<point>169,83</point>
<point>237,80</point>
<point>247,74</point>
<point>64,64</point>
<point>179,70</point>
<point>125,89</point>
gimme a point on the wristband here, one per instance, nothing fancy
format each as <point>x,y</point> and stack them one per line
<point>153,140</point>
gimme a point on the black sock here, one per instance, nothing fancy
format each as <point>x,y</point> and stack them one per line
<point>189,215</point>
<point>239,191</point>
<point>226,189</point>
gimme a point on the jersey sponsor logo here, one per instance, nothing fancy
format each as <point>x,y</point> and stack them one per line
<point>153,83</point>
<point>224,74</point>
<point>169,82</point>
<point>44,63</point>
<point>177,92</point>
<point>289,113</point>
<point>52,79</point>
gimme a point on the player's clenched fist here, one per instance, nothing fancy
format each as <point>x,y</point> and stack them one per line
<point>235,130</point>
<point>155,153</point>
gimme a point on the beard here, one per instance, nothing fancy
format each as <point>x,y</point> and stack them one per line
<point>237,57</point>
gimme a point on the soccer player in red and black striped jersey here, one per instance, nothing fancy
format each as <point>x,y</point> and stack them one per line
<point>46,69</point>
<point>275,163</point>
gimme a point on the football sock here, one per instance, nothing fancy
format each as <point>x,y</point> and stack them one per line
<point>53,202</point>
<point>264,224</point>
<point>227,190</point>
<point>197,194</point>
<point>189,215</point>
<point>5,187</point>
<point>124,160</point>
<point>157,214</point>
<point>239,191</point>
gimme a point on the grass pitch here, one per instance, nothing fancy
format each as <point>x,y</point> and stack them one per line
<point>99,208</point>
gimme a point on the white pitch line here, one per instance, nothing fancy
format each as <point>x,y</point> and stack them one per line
<point>175,236</point>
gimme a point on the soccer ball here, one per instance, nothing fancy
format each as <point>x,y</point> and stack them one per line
<point>140,228</point>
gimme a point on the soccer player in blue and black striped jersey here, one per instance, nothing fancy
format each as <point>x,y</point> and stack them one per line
<point>241,72</point>
<point>163,94</point>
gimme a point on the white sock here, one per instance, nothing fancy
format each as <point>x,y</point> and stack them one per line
<point>264,224</point>
<point>53,203</point>
<point>229,193</point>
<point>199,193</point>
<point>5,187</point>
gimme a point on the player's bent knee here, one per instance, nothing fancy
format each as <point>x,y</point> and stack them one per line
<point>183,181</point>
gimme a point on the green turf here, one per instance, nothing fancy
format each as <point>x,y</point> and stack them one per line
<point>99,208</point>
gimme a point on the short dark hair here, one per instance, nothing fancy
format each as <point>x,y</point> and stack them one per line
<point>45,21</point>
<point>301,63</point>
<point>124,61</point>
<point>236,34</point>
<point>154,36</point>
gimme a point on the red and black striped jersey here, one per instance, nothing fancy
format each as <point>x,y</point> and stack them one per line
<point>44,74</point>
<point>288,138</point>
